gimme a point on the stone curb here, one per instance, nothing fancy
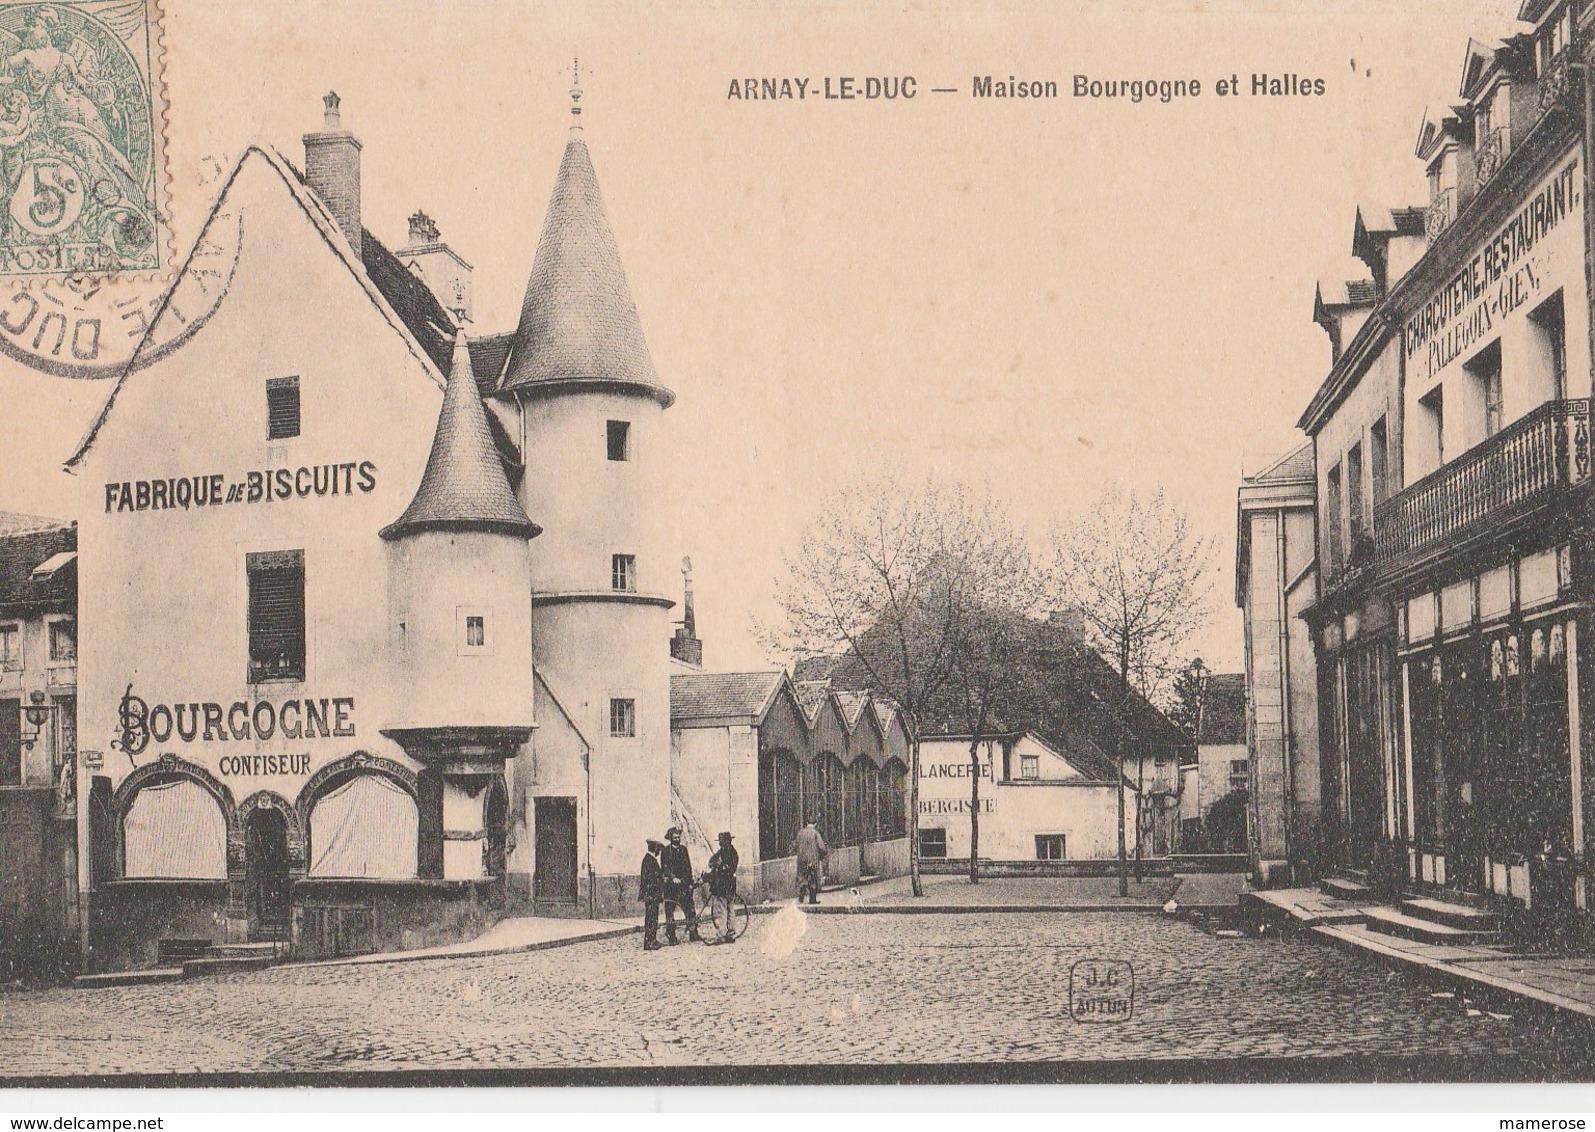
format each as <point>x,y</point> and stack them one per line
<point>1455,975</point>
<point>481,953</point>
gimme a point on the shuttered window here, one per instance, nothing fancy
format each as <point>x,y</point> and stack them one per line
<point>276,615</point>
<point>282,408</point>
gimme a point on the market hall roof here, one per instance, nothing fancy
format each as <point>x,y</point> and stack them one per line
<point>464,487</point>
<point>579,325</point>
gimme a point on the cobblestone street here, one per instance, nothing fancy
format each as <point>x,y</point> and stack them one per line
<point>812,990</point>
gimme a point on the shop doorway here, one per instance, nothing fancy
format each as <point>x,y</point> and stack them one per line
<point>554,874</point>
<point>266,873</point>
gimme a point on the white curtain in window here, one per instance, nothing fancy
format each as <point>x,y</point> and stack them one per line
<point>365,828</point>
<point>175,830</point>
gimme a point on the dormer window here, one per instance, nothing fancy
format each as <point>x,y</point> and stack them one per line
<point>1551,40</point>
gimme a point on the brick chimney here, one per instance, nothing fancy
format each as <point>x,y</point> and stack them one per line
<point>438,266</point>
<point>332,170</point>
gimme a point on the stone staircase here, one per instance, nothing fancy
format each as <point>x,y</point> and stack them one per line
<point>177,959</point>
<point>1422,918</point>
<point>224,957</point>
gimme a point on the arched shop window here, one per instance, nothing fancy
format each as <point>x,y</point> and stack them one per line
<point>780,803</point>
<point>897,798</point>
<point>859,794</point>
<point>823,796</point>
<point>367,827</point>
<point>174,830</point>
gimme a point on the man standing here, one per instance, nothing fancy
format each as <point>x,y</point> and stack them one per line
<point>810,851</point>
<point>677,864</point>
<point>723,882</point>
<point>651,888</point>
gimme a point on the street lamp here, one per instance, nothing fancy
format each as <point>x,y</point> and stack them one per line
<point>37,713</point>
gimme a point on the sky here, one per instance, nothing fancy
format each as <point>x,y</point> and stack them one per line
<point>1047,296</point>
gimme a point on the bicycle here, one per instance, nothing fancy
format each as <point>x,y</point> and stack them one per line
<point>721,912</point>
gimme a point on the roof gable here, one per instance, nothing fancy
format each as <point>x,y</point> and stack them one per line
<point>259,169</point>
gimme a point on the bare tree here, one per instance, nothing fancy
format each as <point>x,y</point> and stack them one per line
<point>1141,579</point>
<point>878,580</point>
<point>993,650</point>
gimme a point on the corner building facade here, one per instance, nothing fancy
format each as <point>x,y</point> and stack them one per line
<point>1452,448</point>
<point>372,654</point>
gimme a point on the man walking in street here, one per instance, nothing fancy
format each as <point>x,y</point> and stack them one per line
<point>723,882</point>
<point>651,888</point>
<point>677,864</point>
<point>810,851</point>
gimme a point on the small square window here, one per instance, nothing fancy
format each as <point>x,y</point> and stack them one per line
<point>282,408</point>
<point>1029,766</point>
<point>11,646</point>
<point>1237,766</point>
<point>1049,847</point>
<point>933,843</point>
<point>623,572</point>
<point>475,632</point>
<point>622,719</point>
<point>63,642</point>
<point>620,440</point>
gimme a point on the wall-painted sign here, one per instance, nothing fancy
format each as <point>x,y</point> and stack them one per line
<point>943,806</point>
<point>263,486</point>
<point>952,770</point>
<point>241,720</point>
<point>1505,275</point>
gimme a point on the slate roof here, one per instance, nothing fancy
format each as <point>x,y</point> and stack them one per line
<point>853,705</point>
<point>487,359</point>
<point>1223,711</point>
<point>811,696</point>
<point>696,697</point>
<point>579,322</point>
<point>464,486</point>
<point>411,299</point>
<point>1071,697</point>
<point>22,552</point>
<point>1296,467</point>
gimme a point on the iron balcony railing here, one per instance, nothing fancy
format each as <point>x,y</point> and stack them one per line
<point>1442,210</point>
<point>1490,152</point>
<point>1545,452</point>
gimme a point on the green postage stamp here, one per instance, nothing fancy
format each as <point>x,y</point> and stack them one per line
<point>82,141</point>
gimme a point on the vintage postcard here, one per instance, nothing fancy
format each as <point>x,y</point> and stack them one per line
<point>963,542</point>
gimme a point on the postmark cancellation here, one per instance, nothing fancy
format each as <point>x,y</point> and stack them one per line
<point>82,139</point>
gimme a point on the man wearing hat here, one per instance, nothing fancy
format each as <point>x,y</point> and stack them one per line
<point>651,888</point>
<point>723,881</point>
<point>677,864</point>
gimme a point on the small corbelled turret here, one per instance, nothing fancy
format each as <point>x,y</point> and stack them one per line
<point>464,487</point>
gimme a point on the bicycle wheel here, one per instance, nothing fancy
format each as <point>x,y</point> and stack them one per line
<point>737,909</point>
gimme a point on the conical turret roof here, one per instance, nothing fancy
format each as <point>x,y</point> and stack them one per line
<point>579,323</point>
<point>464,487</point>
